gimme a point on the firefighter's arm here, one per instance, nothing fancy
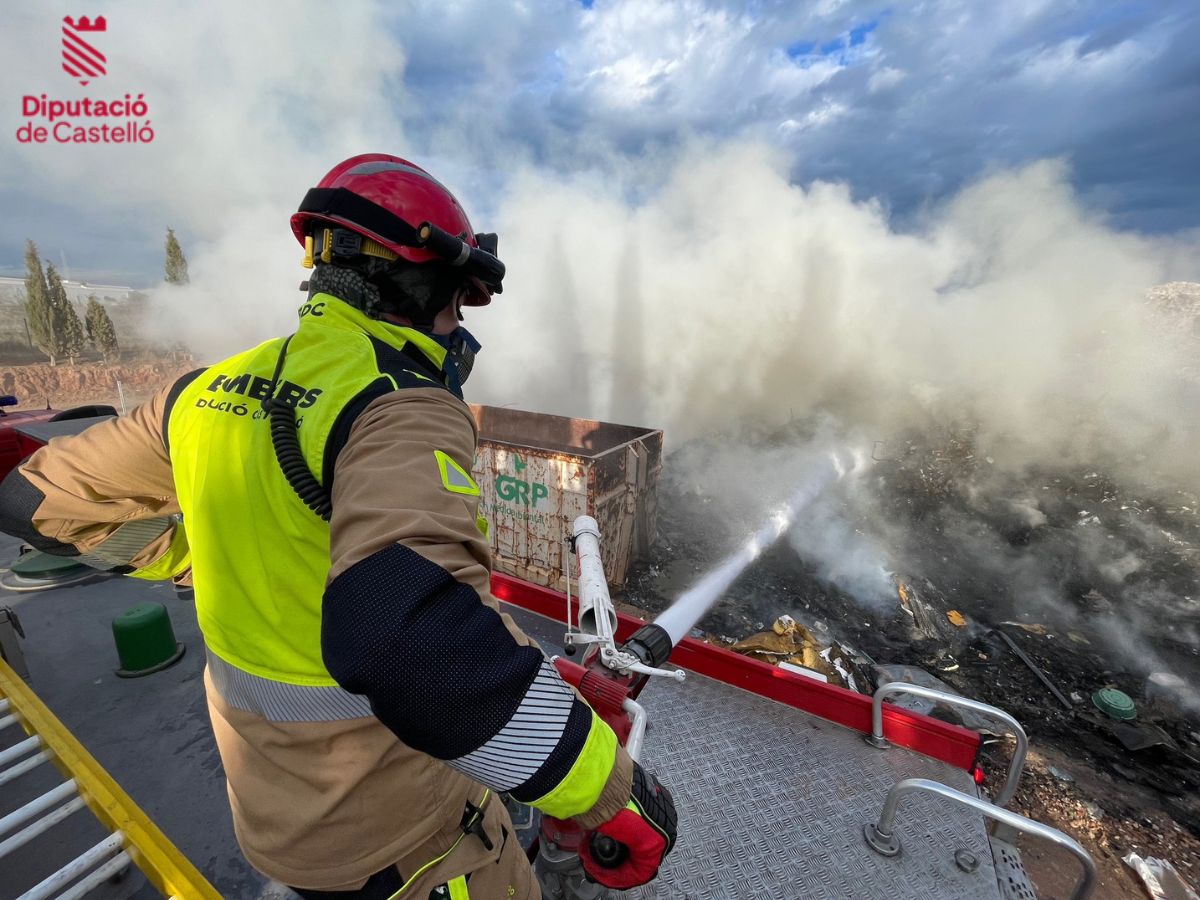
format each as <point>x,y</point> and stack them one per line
<point>409,620</point>
<point>105,496</point>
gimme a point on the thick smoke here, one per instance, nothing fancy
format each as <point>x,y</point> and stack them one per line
<point>731,296</point>
<point>739,308</point>
<point>730,300</point>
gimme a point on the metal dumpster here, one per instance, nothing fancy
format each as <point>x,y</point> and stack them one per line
<point>537,473</point>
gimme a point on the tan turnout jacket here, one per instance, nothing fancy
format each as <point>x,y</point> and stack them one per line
<point>324,805</point>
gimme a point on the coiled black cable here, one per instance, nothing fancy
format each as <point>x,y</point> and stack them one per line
<point>286,441</point>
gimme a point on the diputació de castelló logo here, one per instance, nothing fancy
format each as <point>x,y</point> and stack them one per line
<point>79,57</point>
<point>84,120</point>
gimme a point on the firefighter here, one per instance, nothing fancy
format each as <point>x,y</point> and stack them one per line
<point>368,698</point>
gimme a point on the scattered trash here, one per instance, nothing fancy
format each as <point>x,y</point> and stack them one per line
<point>1115,704</point>
<point>911,675</point>
<point>1076,697</point>
<point>1061,775</point>
<point>946,663</point>
<point>839,667</point>
<point>928,610</point>
<point>1077,638</point>
<point>1035,670</point>
<point>921,678</point>
<point>771,643</point>
<point>789,641</point>
<point>1031,627</point>
<point>1141,736</point>
<point>956,618</point>
<point>785,625</point>
<point>805,671</point>
<point>1161,880</point>
<point>1093,810</point>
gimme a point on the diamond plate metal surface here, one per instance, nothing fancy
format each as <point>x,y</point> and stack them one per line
<point>772,802</point>
<point>1011,876</point>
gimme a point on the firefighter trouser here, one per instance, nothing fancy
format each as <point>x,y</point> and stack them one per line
<point>507,876</point>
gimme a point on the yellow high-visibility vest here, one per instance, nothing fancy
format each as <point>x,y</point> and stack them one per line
<point>259,556</point>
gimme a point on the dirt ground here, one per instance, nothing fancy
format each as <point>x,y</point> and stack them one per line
<point>64,385</point>
<point>1124,820</point>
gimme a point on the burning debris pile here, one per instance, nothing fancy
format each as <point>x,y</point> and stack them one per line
<point>790,644</point>
<point>1031,588</point>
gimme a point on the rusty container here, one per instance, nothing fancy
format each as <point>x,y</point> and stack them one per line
<point>537,473</point>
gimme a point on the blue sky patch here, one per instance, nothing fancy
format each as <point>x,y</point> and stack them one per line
<point>807,50</point>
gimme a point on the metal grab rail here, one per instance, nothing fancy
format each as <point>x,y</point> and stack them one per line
<point>880,837</point>
<point>1015,768</point>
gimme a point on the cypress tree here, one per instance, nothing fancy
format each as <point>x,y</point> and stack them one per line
<point>89,319</point>
<point>39,311</point>
<point>176,263</point>
<point>73,335</point>
<point>100,328</point>
<point>56,296</point>
<point>64,321</point>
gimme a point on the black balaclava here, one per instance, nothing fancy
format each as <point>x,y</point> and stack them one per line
<point>379,287</point>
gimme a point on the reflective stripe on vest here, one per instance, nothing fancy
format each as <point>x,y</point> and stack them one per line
<point>279,701</point>
<point>259,557</point>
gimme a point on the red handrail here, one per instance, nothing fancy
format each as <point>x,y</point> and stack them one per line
<point>949,743</point>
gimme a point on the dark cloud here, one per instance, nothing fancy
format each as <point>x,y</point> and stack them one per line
<point>904,102</point>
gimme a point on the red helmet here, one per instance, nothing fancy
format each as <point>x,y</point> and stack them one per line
<point>402,210</point>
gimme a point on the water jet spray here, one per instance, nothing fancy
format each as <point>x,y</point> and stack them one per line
<point>682,615</point>
<point>611,676</point>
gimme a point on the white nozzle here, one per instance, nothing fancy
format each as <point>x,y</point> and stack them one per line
<point>593,588</point>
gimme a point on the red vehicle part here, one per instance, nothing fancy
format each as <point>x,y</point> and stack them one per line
<point>951,744</point>
<point>15,446</point>
<point>604,690</point>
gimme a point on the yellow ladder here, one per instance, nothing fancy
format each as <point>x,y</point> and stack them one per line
<point>134,838</point>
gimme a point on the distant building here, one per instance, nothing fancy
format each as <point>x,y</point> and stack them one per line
<point>77,291</point>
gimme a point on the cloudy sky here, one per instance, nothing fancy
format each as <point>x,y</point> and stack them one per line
<point>904,103</point>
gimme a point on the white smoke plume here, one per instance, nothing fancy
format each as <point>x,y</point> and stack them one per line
<point>249,105</point>
<point>695,289</point>
<point>730,299</point>
<point>733,296</point>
